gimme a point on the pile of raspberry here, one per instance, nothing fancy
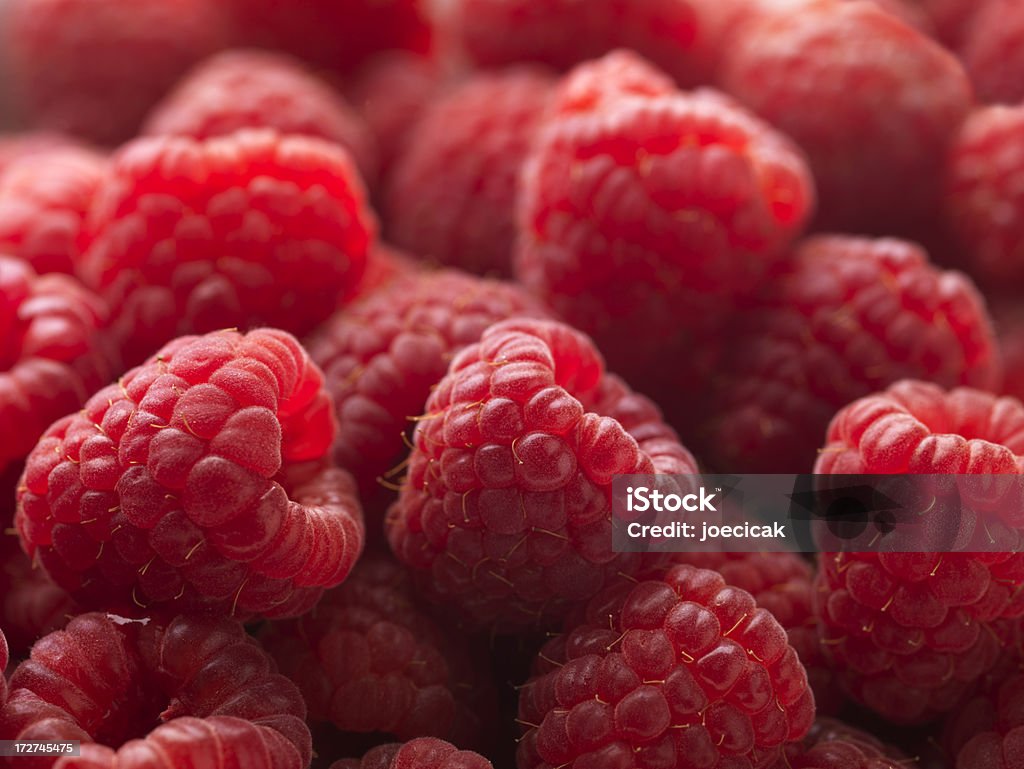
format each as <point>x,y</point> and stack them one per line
<point>328,331</point>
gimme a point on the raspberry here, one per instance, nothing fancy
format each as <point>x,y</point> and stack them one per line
<point>15,146</point>
<point>871,100</point>
<point>833,744</point>
<point>497,33</point>
<point>992,51</point>
<point>333,35</point>
<point>94,68</point>
<point>53,353</point>
<point>389,93</point>
<point>241,89</point>
<point>682,671</point>
<point>988,730</point>
<point>183,484</point>
<point>254,228</point>
<point>983,198</point>
<point>150,693</point>
<point>44,199</point>
<point>506,506</point>
<point>623,231</point>
<point>1009,319</point>
<point>909,633</point>
<point>452,193</point>
<point>422,753</point>
<point>843,318</point>
<point>780,583</point>
<point>381,357</point>
<point>31,605</point>
<point>369,660</point>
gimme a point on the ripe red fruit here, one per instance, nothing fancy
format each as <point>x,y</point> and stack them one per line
<point>253,228</point>
<point>983,201</point>
<point>94,68</point>
<point>157,693</point>
<point>833,745</point>
<point>506,505</point>
<point>681,671</point>
<point>872,101</point>
<point>368,659</point>
<point>382,356</point>
<point>451,196</point>
<point>241,89</point>
<point>910,633</point>
<point>44,199</point>
<point>31,605</point>
<point>992,51</point>
<point>844,317</point>
<point>185,484</point>
<point>1009,320</point>
<point>623,230</point>
<point>423,753</point>
<point>15,146</point>
<point>987,731</point>
<point>53,353</point>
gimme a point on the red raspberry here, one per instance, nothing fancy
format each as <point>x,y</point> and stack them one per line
<point>31,605</point>
<point>369,660</point>
<point>993,51</point>
<point>389,93</point>
<point>189,237</point>
<point>507,499</point>
<point>910,633</point>
<point>682,671</point>
<point>623,231</point>
<point>843,318</point>
<point>157,694</point>
<point>95,67</point>
<point>335,35</point>
<point>44,199</point>
<point>1009,320</point>
<point>834,745</point>
<point>987,732</point>
<point>423,753</point>
<point>780,583</point>
<point>871,100</point>
<point>382,356</point>
<point>53,353</point>
<point>452,193</point>
<point>497,33</point>
<point>15,146</point>
<point>241,89</point>
<point>179,484</point>
<point>983,199</point>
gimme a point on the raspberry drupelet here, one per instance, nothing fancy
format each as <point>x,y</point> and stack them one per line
<point>841,319</point>
<point>684,671</point>
<point>154,694</point>
<point>196,481</point>
<point>53,353</point>
<point>369,659</point>
<point>505,510</point>
<point>909,633</point>
<point>643,207</point>
<point>422,753</point>
<point>243,230</point>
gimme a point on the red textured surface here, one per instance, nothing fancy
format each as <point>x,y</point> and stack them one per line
<point>993,51</point>
<point>368,659</point>
<point>682,671</point>
<point>835,745</point>
<point>382,356</point>
<point>339,36</point>
<point>983,198</point>
<point>951,19</point>
<point>452,193</point>
<point>872,101</point>
<point>506,505</point>
<point>843,318</point>
<point>15,146</point>
<point>94,68</point>
<point>238,231</point>
<point>185,484</point>
<point>909,633</point>
<point>988,730</point>
<point>423,753</point>
<point>3,669</point>
<point>241,89</point>
<point>644,210</point>
<point>156,694</point>
<point>31,605</point>
<point>44,199</point>
<point>53,353</point>
<point>1009,320</point>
